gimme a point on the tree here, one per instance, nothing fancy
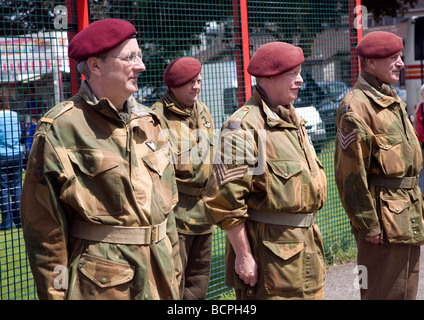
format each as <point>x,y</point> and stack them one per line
<point>392,8</point>
<point>25,17</point>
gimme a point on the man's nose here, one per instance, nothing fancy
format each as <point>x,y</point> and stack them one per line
<point>139,65</point>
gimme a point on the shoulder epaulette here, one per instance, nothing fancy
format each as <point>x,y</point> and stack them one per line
<point>57,111</point>
<point>234,122</point>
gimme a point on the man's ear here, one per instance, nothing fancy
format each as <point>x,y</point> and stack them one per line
<point>93,65</point>
<point>371,63</point>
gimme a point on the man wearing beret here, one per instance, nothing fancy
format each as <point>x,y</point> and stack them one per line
<point>267,185</point>
<point>100,188</point>
<point>189,128</point>
<point>377,161</point>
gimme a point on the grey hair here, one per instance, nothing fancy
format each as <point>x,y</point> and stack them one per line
<point>363,62</point>
<point>83,67</point>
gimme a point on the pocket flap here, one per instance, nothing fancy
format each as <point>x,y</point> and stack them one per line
<point>93,161</point>
<point>103,272</point>
<point>159,160</point>
<point>386,142</point>
<point>285,169</point>
<point>397,205</point>
<point>284,250</point>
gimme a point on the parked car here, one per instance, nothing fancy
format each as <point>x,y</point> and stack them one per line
<point>315,127</point>
<point>310,95</point>
<point>334,92</point>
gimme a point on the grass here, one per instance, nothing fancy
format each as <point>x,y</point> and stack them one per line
<point>332,219</point>
<point>16,278</point>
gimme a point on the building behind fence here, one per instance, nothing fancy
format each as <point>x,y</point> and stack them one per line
<point>223,34</point>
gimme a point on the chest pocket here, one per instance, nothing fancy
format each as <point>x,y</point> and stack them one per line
<point>292,188</point>
<point>284,185</point>
<point>97,185</point>
<point>389,154</point>
<point>162,174</point>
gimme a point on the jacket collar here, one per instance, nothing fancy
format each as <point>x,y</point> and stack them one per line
<point>376,94</point>
<point>272,118</point>
<point>104,106</point>
<point>174,106</point>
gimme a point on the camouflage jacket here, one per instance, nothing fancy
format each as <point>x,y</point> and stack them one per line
<point>268,165</point>
<point>190,132</point>
<point>377,161</point>
<point>88,165</point>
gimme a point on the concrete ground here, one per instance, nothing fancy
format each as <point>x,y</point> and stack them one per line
<point>341,279</point>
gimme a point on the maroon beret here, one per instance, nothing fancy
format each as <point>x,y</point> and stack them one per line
<point>379,44</point>
<point>180,71</point>
<point>100,36</point>
<point>275,58</point>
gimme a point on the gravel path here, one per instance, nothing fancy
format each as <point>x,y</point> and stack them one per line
<point>340,281</point>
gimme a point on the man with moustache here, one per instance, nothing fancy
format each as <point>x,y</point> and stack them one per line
<point>188,125</point>
<point>99,188</point>
<point>377,162</point>
<point>267,185</point>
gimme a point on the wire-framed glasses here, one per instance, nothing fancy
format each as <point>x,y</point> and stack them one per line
<point>132,56</point>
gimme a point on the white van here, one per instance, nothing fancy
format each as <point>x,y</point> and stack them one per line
<point>413,58</point>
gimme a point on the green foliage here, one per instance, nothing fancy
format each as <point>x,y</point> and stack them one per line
<point>392,8</point>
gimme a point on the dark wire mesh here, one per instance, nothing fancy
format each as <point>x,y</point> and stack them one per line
<point>36,75</point>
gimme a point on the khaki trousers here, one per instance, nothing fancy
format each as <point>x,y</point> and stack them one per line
<point>392,270</point>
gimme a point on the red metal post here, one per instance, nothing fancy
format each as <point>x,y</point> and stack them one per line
<point>82,14</point>
<point>355,15</point>
<point>245,48</point>
<point>82,20</point>
<point>242,57</point>
<point>359,30</point>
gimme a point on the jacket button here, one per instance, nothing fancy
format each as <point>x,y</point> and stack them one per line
<point>103,280</point>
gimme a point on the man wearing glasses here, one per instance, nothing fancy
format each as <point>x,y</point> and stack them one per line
<point>100,188</point>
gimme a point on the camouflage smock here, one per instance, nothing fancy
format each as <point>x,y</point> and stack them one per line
<point>87,164</point>
<point>190,132</point>
<point>269,165</point>
<point>376,138</point>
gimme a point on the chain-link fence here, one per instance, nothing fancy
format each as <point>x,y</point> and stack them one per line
<point>222,34</point>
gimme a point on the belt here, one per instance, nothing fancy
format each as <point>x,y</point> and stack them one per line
<point>191,191</point>
<point>118,234</point>
<point>399,183</point>
<point>301,220</point>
